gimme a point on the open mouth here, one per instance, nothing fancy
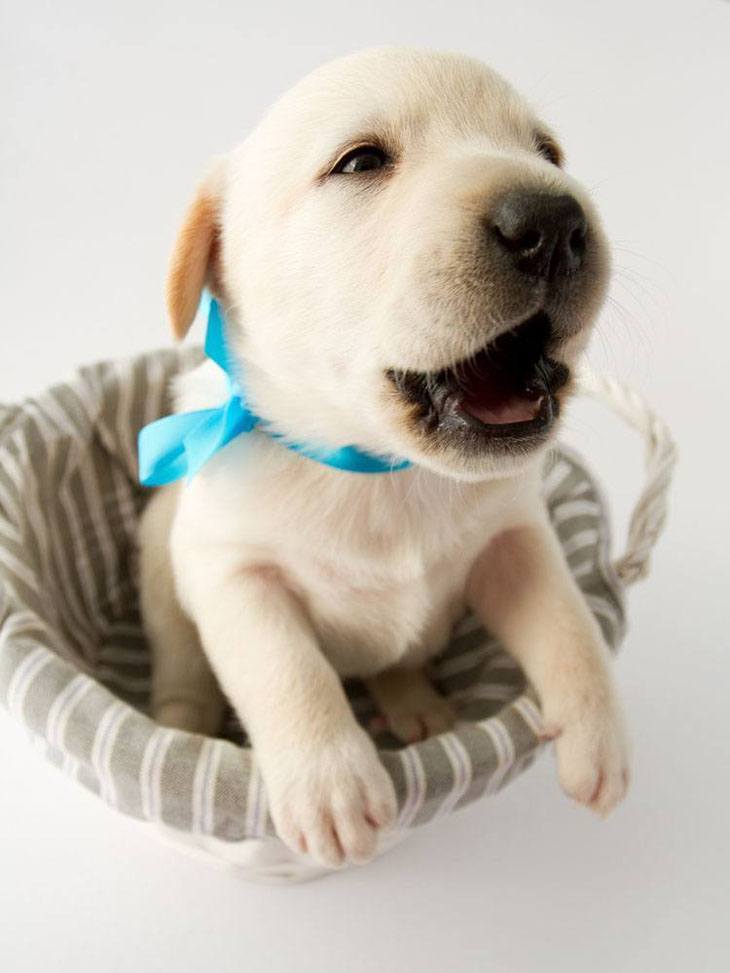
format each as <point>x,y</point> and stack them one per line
<point>504,395</point>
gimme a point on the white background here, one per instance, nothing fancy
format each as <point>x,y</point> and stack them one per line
<point>109,113</point>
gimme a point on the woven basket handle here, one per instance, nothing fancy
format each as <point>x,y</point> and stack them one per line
<point>650,510</point>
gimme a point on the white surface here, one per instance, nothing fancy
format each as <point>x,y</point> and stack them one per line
<point>108,119</point>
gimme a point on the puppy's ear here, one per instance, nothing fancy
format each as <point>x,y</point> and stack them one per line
<point>195,261</point>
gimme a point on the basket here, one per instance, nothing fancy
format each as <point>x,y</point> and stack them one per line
<point>75,667</point>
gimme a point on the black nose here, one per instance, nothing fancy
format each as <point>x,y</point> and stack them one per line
<point>544,234</point>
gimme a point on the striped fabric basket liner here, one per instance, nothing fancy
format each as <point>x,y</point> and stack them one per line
<point>75,667</point>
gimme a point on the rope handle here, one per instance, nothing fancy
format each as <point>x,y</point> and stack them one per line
<point>650,510</point>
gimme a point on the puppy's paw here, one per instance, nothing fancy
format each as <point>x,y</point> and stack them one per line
<point>592,754</point>
<point>417,717</point>
<point>410,707</point>
<point>332,800</point>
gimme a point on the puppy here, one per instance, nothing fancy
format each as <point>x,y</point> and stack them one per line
<point>405,266</point>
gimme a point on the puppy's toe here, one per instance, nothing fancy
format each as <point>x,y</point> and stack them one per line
<point>381,807</point>
<point>322,841</point>
<point>356,836</point>
<point>612,786</point>
<point>408,727</point>
<point>440,717</point>
<point>578,774</point>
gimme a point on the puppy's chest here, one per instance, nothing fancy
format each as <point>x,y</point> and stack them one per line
<point>379,564</point>
<point>381,593</point>
<point>368,621</point>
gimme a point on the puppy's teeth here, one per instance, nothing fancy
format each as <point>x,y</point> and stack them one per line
<point>440,397</point>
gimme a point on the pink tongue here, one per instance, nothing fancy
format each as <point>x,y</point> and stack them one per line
<point>514,408</point>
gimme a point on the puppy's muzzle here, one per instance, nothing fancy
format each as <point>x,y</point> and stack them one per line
<point>543,234</point>
<point>538,256</point>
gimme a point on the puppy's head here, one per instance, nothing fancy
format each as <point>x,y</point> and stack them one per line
<point>404,261</point>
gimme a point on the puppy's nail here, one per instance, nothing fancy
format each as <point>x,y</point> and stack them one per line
<point>597,789</point>
<point>548,733</point>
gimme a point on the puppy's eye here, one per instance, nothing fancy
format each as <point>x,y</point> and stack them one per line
<point>363,158</point>
<point>549,150</point>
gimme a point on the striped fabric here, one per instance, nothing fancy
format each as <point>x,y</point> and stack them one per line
<point>74,665</point>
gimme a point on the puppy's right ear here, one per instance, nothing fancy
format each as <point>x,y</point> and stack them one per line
<point>195,261</point>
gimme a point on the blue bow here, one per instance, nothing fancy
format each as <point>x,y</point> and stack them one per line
<point>178,445</point>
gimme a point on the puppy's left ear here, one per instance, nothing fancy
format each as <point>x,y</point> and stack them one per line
<point>195,261</point>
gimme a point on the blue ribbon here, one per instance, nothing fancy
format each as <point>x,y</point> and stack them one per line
<point>178,445</point>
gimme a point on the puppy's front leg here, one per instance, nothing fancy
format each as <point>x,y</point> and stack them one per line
<point>523,590</point>
<point>328,791</point>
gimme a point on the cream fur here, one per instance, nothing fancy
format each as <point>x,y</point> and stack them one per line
<point>292,574</point>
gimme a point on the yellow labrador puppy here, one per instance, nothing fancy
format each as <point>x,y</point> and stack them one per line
<point>405,266</point>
